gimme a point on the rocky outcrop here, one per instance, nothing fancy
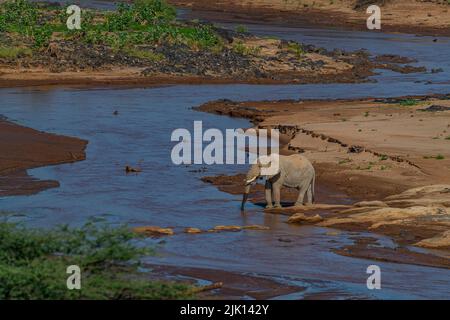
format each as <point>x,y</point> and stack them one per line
<point>418,216</point>
<point>301,218</point>
<point>154,231</point>
<point>440,241</point>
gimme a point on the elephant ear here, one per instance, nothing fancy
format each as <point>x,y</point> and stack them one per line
<point>270,166</point>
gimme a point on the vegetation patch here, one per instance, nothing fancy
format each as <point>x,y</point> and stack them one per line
<point>408,102</point>
<point>437,157</point>
<point>14,52</point>
<point>33,264</point>
<point>144,21</point>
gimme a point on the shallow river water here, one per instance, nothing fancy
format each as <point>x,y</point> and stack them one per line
<point>168,195</point>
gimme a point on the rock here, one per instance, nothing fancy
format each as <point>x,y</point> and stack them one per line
<point>375,218</point>
<point>154,231</point>
<point>439,241</point>
<point>424,202</point>
<point>333,233</point>
<point>227,228</point>
<point>439,190</point>
<point>437,70</point>
<point>301,218</point>
<point>255,227</point>
<point>356,149</point>
<point>129,169</point>
<point>370,204</point>
<point>192,230</point>
<point>392,58</point>
<point>435,108</point>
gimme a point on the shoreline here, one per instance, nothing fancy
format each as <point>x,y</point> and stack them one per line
<point>24,148</point>
<point>396,18</point>
<point>136,81</point>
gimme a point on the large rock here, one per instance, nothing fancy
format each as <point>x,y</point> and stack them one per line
<point>379,204</point>
<point>192,230</point>
<point>434,195</point>
<point>439,190</point>
<point>302,218</point>
<point>154,231</point>
<point>439,241</point>
<point>226,228</point>
<point>375,218</point>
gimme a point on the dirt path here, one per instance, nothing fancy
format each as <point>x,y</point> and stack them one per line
<point>405,16</point>
<point>25,148</point>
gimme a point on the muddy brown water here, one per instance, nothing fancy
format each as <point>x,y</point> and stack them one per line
<point>174,196</point>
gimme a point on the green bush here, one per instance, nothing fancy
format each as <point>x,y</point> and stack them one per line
<point>143,22</point>
<point>241,29</point>
<point>141,13</point>
<point>42,35</point>
<point>122,19</point>
<point>33,264</point>
<point>296,49</point>
<point>19,12</point>
<point>3,24</point>
<point>154,11</point>
<point>408,102</point>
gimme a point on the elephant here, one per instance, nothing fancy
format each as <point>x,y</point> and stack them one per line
<point>294,171</point>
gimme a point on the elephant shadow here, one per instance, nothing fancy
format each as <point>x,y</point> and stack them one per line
<point>284,204</point>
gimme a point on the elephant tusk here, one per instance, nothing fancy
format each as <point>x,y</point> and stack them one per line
<point>250,181</point>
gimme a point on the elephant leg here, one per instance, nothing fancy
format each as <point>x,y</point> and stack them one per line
<point>276,194</point>
<point>301,196</point>
<point>268,192</point>
<point>309,197</point>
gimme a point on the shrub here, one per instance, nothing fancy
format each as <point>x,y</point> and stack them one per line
<point>154,11</point>
<point>19,12</point>
<point>241,29</point>
<point>33,264</point>
<point>408,102</point>
<point>144,54</point>
<point>296,49</point>
<point>241,49</point>
<point>42,35</point>
<point>142,12</point>
<point>3,24</point>
<point>14,52</point>
<point>122,19</point>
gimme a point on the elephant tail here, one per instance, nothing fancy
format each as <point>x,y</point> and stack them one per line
<point>313,187</point>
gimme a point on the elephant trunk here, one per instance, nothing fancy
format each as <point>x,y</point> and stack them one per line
<point>245,196</point>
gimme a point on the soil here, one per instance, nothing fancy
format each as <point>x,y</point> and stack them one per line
<point>235,285</point>
<point>24,148</point>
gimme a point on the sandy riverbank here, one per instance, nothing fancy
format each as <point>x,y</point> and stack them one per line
<point>405,16</point>
<point>276,62</point>
<point>391,156</point>
<point>25,148</point>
